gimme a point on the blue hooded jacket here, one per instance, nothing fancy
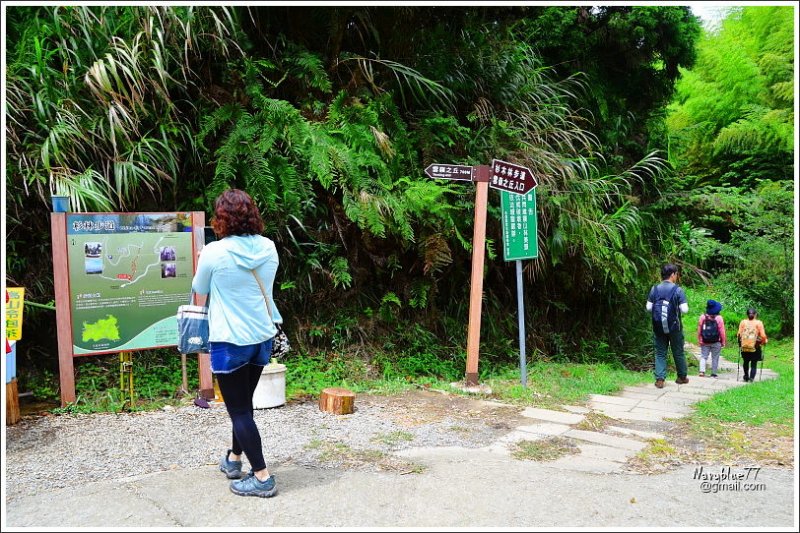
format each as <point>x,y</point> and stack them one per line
<point>237,312</point>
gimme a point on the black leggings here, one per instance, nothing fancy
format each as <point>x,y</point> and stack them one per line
<point>237,390</point>
<point>751,359</point>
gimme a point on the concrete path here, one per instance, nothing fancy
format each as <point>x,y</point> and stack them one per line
<point>609,449</point>
<point>461,488</point>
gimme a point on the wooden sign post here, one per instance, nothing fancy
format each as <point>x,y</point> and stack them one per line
<point>505,177</point>
<point>66,369</point>
<point>476,280</point>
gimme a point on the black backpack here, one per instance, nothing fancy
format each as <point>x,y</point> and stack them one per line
<point>665,312</point>
<point>710,330</point>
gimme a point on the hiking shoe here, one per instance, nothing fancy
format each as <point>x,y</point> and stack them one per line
<point>713,375</point>
<point>745,379</point>
<point>659,383</point>
<point>701,374</point>
<point>682,380</point>
<point>231,469</point>
<point>251,486</point>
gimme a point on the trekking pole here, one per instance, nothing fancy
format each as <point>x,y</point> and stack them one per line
<point>737,362</point>
<point>763,356</point>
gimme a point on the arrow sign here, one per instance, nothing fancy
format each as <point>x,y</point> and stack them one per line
<point>449,172</point>
<point>510,177</point>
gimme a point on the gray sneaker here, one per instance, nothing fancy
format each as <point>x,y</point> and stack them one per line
<point>251,486</point>
<point>231,469</point>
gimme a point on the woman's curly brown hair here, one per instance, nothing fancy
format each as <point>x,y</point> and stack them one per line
<point>235,213</point>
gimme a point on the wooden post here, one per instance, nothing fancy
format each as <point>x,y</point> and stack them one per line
<point>126,377</point>
<point>12,402</point>
<point>184,377</point>
<point>337,401</point>
<point>206,378</point>
<point>203,359</point>
<point>66,369</point>
<point>476,285</point>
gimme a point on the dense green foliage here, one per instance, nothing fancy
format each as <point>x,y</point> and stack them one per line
<point>732,120</point>
<point>630,55</point>
<point>732,143</point>
<point>327,116</point>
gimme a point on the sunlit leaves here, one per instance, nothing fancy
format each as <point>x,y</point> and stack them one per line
<point>738,99</point>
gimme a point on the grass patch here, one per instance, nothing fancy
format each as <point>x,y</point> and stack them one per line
<point>755,404</point>
<point>393,439</point>
<point>341,452</point>
<point>594,421</point>
<point>657,448</point>
<point>156,383</point>
<point>548,449</point>
<point>551,385</point>
<point>347,457</point>
<point>658,456</point>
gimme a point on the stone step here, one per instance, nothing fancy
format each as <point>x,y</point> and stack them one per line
<point>619,400</point>
<point>693,389</point>
<point>606,453</point>
<point>547,415</point>
<point>662,414</point>
<point>640,395</point>
<point>650,416</point>
<point>668,399</point>
<point>577,409</point>
<point>578,463</point>
<point>635,432</point>
<point>545,429</point>
<point>661,405</point>
<point>606,440</point>
<point>645,389</point>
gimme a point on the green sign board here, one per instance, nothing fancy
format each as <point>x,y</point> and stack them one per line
<point>519,225</point>
<point>128,273</point>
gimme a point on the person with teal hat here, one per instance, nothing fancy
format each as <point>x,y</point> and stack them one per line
<point>711,336</point>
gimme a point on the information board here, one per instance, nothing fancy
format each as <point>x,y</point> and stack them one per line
<point>519,225</point>
<point>128,273</point>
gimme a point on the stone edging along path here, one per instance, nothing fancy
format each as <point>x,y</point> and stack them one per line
<point>640,412</point>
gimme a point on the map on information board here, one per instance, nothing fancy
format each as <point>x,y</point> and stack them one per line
<point>128,273</point>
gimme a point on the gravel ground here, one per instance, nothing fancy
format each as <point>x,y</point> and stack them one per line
<point>48,452</point>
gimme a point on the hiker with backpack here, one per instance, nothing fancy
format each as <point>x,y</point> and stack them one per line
<point>711,336</point>
<point>751,337</point>
<point>665,303</point>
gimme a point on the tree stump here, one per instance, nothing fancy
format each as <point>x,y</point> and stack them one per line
<point>337,401</point>
<point>12,402</point>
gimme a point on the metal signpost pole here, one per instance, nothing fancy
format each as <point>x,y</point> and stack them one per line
<point>523,371</point>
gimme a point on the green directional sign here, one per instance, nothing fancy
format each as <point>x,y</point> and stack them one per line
<point>519,225</point>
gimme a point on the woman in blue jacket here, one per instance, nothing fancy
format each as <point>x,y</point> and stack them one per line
<point>236,271</point>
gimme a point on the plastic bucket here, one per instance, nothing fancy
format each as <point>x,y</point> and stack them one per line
<point>271,389</point>
<point>60,204</point>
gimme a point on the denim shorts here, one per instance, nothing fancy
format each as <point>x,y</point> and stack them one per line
<point>227,357</point>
